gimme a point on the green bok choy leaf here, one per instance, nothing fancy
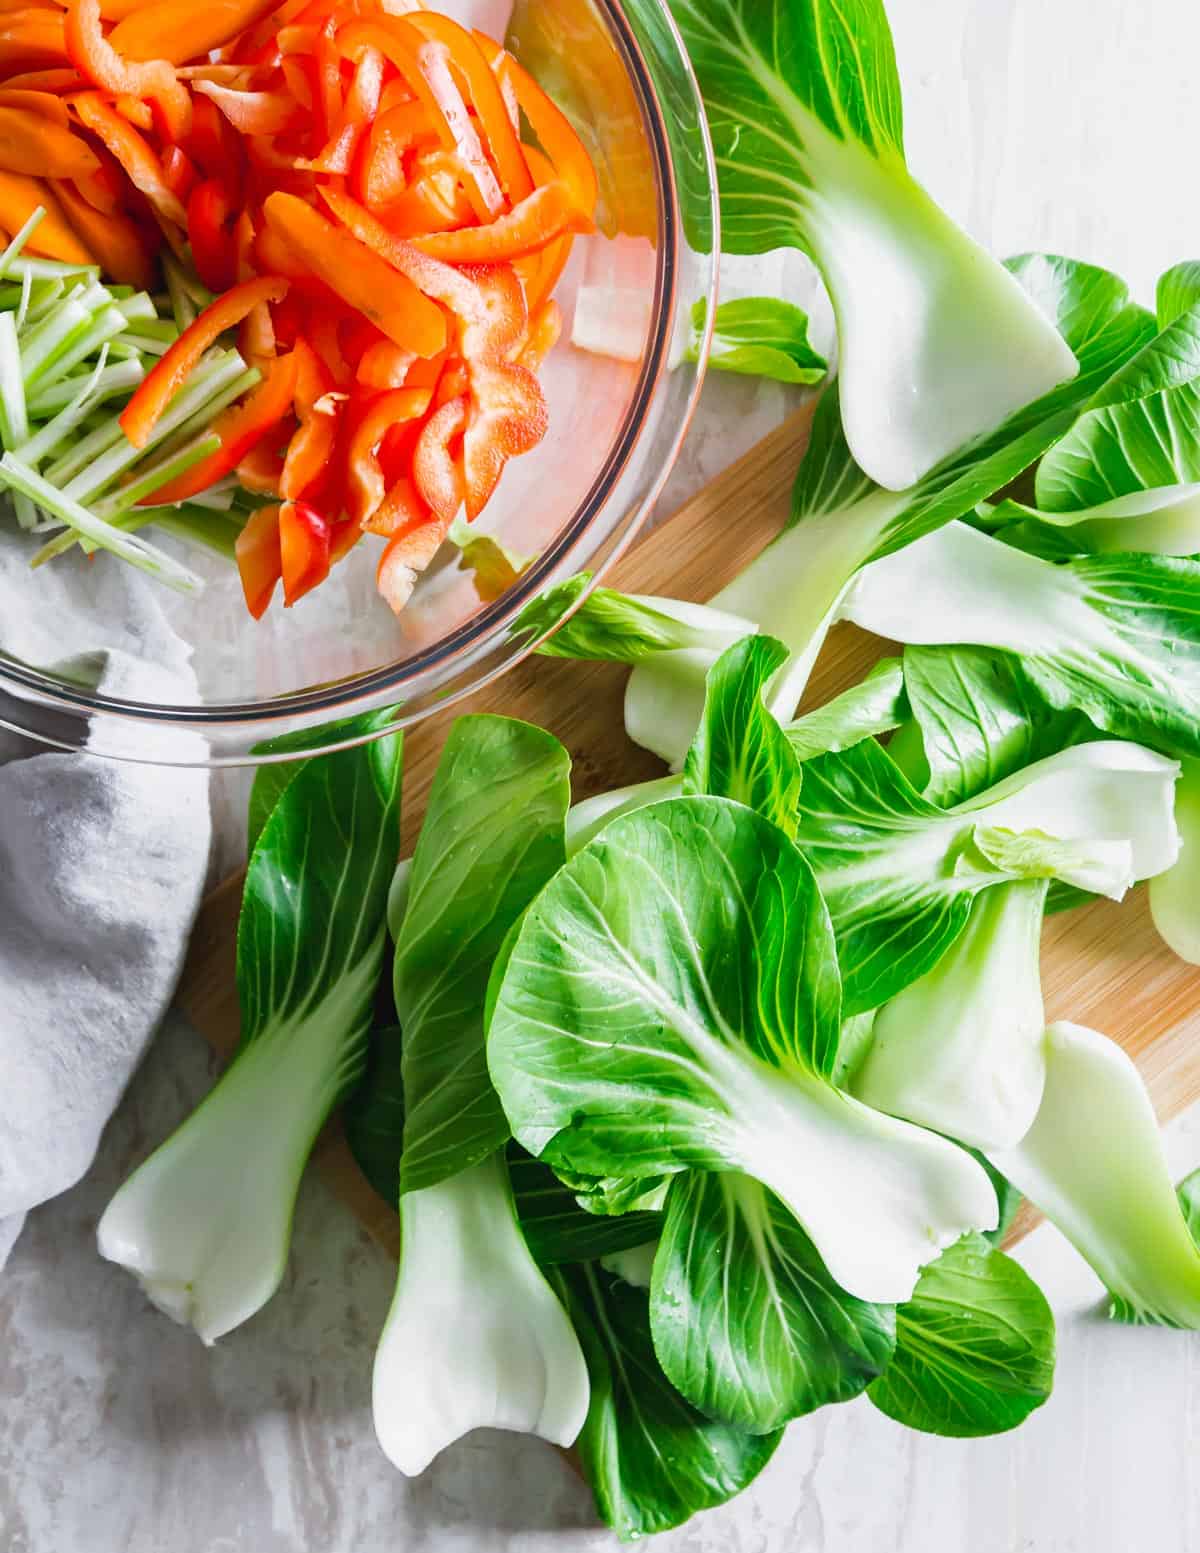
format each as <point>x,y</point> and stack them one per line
<point>204,1223</point>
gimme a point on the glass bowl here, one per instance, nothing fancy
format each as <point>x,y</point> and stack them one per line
<point>620,388</point>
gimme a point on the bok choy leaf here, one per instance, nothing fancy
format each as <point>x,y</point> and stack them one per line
<point>652,1459</point>
<point>758,337</point>
<point>204,1223</point>
<point>937,342</point>
<point>747,1323</point>
<point>1127,1222</point>
<point>974,1346</point>
<point>671,1001</point>
<point>474,1336</point>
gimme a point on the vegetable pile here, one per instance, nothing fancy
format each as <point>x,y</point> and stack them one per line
<point>706,1103</point>
<point>348,188</point>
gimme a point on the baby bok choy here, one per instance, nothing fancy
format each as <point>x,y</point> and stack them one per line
<point>672,1001</point>
<point>475,1336</point>
<point>204,1223</point>
<point>840,519</point>
<point>1093,1162</point>
<point>937,342</point>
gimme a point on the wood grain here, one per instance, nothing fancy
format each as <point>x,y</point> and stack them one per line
<point>1102,965</point>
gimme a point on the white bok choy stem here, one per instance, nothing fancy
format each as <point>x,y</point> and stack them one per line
<point>204,1223</point>
<point>1093,1162</point>
<point>475,1336</point>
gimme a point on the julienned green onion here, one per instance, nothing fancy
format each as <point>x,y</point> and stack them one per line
<point>146,557</point>
<point>47,438</point>
<point>20,238</point>
<point>200,526</point>
<point>116,378</point>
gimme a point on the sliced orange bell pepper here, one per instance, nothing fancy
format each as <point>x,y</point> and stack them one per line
<point>242,427</point>
<point>43,102</point>
<point>100,63</point>
<point>501,324</point>
<point>527,228</point>
<point>434,279</point>
<point>259,559</point>
<point>256,340</point>
<point>545,326</point>
<point>121,248</point>
<point>52,80</point>
<point>467,60</point>
<point>325,336</point>
<point>32,143</point>
<point>436,473</point>
<point>435,199</point>
<point>254,113</point>
<point>133,152</point>
<point>139,113</point>
<point>179,30</point>
<point>349,268</point>
<point>377,175</point>
<point>541,272</point>
<point>383,365</point>
<point>32,40</point>
<point>551,126</point>
<point>366,485</point>
<point>304,545</point>
<point>156,390</point>
<point>312,443</point>
<point>424,65</point>
<point>356,117</point>
<point>507,417</point>
<point>53,238</point>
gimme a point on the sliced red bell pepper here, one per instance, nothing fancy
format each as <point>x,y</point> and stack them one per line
<point>540,218</point>
<point>400,511</point>
<point>214,144</point>
<point>119,245</point>
<point>366,484</point>
<point>180,172</point>
<point>304,546</point>
<point>492,334</point>
<point>357,115</point>
<point>467,59</point>
<point>155,392</point>
<point>256,338</point>
<point>259,559</point>
<point>261,470</point>
<point>349,268</point>
<point>551,126</point>
<point>424,64</point>
<point>507,417</point>
<point>33,143</point>
<point>405,558</point>
<point>133,152</point>
<point>94,56</point>
<point>436,473</point>
<point>312,443</point>
<point>179,30</point>
<point>211,212</point>
<point>453,383</point>
<point>242,427</point>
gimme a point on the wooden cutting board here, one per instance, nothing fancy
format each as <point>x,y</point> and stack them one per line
<point>1102,965</point>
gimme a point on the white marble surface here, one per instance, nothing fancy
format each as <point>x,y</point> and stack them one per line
<point>1039,123</point>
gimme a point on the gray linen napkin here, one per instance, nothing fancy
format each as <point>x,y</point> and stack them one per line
<point>102,864</point>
